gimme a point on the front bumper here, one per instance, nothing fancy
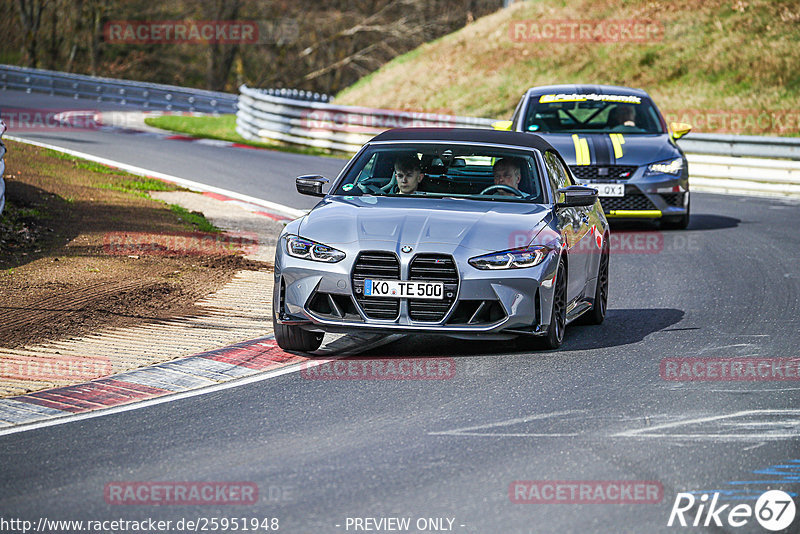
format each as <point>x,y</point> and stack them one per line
<point>647,202</point>
<point>646,197</point>
<point>498,304</point>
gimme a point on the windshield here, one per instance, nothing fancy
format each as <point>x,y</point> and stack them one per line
<point>444,170</point>
<point>592,113</point>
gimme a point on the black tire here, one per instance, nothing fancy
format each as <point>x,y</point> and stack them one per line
<point>294,338</point>
<point>677,223</point>
<point>597,313</point>
<point>558,315</point>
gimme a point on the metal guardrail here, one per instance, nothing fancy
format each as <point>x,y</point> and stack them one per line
<point>264,117</point>
<point>741,164</point>
<point>149,95</point>
<point>744,176</point>
<point>298,94</point>
<point>753,146</point>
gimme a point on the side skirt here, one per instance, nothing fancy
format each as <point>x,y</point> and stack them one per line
<point>577,308</point>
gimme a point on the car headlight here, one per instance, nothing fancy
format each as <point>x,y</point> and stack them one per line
<point>517,258</point>
<point>673,166</point>
<point>299,247</point>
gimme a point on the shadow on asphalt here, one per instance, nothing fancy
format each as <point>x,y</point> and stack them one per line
<point>703,221</point>
<point>698,221</point>
<point>621,327</point>
<point>48,138</point>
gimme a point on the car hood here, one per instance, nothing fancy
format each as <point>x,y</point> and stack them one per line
<point>439,225</point>
<point>637,149</point>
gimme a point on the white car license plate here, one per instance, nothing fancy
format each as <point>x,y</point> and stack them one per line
<point>609,190</point>
<point>402,289</point>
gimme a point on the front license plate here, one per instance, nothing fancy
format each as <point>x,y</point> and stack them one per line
<point>609,190</point>
<point>402,289</point>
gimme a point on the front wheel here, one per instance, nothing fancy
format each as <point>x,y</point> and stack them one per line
<point>294,338</point>
<point>558,315</point>
<point>597,314</point>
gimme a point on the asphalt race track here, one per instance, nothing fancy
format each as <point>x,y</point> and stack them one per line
<point>323,451</point>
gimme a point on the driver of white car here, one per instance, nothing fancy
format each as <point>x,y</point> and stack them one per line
<point>408,174</point>
<point>508,173</point>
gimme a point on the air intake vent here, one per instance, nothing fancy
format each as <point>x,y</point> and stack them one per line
<point>602,172</point>
<point>673,199</point>
<point>433,268</point>
<point>378,266</point>
<point>628,202</point>
<point>477,312</point>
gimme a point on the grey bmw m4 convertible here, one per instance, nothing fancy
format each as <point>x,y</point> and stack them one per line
<point>458,232</point>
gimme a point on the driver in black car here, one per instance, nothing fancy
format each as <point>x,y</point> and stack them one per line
<point>506,172</point>
<point>622,115</point>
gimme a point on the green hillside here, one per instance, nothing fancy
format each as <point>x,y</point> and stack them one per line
<point>723,65</point>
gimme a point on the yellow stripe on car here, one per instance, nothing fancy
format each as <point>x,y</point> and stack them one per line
<point>585,147</point>
<point>582,156</point>
<point>635,214</point>
<point>617,141</point>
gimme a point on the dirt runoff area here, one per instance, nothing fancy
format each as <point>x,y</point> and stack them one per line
<point>84,247</point>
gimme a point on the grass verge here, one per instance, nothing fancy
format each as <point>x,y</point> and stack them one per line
<point>223,127</point>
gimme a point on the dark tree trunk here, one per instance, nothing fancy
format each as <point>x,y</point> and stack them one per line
<point>221,56</point>
<point>30,15</point>
<point>97,11</point>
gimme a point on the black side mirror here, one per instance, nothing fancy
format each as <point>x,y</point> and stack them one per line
<point>311,184</point>
<point>575,196</point>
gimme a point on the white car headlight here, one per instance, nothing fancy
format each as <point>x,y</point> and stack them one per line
<point>673,166</point>
<point>299,247</point>
<point>517,258</point>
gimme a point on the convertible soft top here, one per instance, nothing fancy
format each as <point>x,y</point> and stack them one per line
<point>465,135</point>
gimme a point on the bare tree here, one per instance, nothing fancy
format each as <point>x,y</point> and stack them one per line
<point>30,15</point>
<point>97,10</point>
<point>75,35</point>
<point>221,56</point>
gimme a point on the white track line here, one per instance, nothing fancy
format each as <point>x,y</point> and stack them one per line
<point>189,184</point>
<point>652,431</point>
<point>475,430</point>
<point>71,418</point>
<point>250,379</point>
